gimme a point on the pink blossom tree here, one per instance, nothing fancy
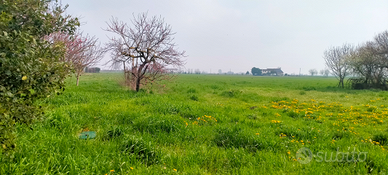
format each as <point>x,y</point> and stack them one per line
<point>146,49</point>
<point>81,51</point>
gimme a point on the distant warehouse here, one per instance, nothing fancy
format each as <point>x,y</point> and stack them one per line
<point>267,72</point>
<point>272,71</point>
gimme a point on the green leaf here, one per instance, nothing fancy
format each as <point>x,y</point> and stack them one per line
<point>9,94</point>
<point>32,91</point>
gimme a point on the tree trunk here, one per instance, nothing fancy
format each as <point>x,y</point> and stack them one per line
<point>125,73</point>
<point>341,83</point>
<point>133,79</point>
<point>137,84</point>
<point>139,77</point>
<point>78,78</point>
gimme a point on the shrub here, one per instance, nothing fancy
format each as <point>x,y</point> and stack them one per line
<point>31,67</point>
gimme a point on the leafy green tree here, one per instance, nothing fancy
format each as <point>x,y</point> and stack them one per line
<point>30,66</point>
<point>256,71</point>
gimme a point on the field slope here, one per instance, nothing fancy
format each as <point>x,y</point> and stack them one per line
<point>207,124</point>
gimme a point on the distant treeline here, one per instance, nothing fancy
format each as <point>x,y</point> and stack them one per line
<point>92,70</point>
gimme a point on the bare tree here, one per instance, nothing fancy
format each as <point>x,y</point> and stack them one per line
<point>369,65</point>
<point>324,72</point>
<point>81,51</point>
<point>337,60</point>
<point>145,49</point>
<point>382,43</point>
<point>313,72</point>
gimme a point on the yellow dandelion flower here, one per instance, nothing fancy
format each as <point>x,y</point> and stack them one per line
<point>131,168</point>
<point>175,170</point>
<point>112,170</point>
<point>24,78</point>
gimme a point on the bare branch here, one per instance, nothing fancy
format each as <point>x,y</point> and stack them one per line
<point>336,59</point>
<point>146,48</point>
<point>81,51</point>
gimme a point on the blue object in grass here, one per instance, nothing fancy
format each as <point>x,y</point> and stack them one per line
<point>87,135</point>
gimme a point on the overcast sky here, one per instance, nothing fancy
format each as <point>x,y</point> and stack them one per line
<point>240,34</point>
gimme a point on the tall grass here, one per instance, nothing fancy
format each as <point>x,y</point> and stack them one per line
<point>204,124</point>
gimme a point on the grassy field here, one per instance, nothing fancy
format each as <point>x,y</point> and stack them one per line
<point>207,124</point>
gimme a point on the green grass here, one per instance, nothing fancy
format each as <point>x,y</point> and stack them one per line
<point>205,124</point>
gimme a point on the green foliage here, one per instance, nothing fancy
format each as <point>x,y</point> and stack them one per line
<point>237,137</point>
<point>114,132</point>
<point>256,71</point>
<point>141,133</point>
<point>30,67</point>
<point>158,124</point>
<point>194,97</point>
<point>293,114</point>
<point>382,138</point>
<point>191,90</point>
<point>140,150</point>
<point>92,69</point>
<point>231,93</point>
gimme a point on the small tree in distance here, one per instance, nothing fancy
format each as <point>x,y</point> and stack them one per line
<point>324,72</point>
<point>81,51</point>
<point>313,72</point>
<point>145,49</point>
<point>256,71</point>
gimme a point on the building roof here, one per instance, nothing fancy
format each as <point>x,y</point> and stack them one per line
<point>279,70</point>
